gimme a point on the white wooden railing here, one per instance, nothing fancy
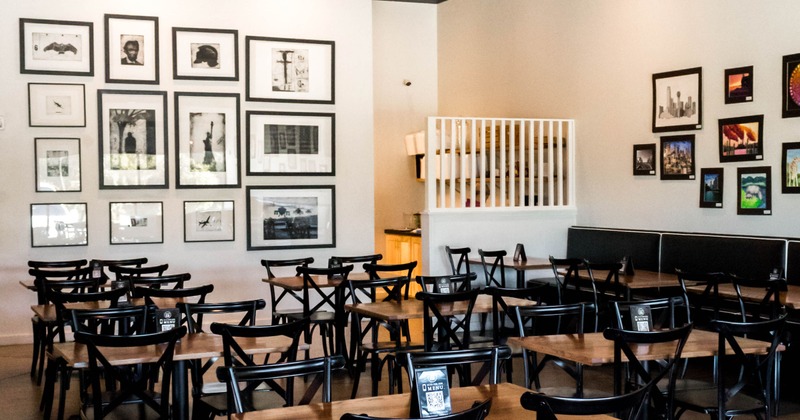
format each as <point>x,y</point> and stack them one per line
<point>499,163</point>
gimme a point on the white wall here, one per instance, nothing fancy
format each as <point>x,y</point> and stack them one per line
<point>593,61</point>
<point>235,271</point>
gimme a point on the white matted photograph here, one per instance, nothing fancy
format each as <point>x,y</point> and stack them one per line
<point>58,164</point>
<point>208,221</point>
<point>131,49</point>
<point>136,223</point>
<point>56,105</point>
<point>59,224</point>
<point>205,54</point>
<point>56,47</point>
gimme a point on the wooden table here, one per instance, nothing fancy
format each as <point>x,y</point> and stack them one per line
<point>790,298</point>
<point>532,263</point>
<point>641,279</point>
<point>413,308</point>
<point>47,312</point>
<point>505,405</point>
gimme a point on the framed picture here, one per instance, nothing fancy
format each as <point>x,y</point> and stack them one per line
<point>644,159</point>
<point>739,85</point>
<point>755,191</point>
<point>790,161</point>
<point>791,86</point>
<point>205,54</point>
<point>132,139</point>
<point>677,100</point>
<point>207,140</point>
<point>711,187</point>
<point>56,105</point>
<point>56,47</point>
<point>59,224</point>
<point>131,49</point>
<point>283,217</point>
<point>280,143</point>
<point>58,164</point>
<point>136,223</point>
<point>208,221</point>
<point>677,157</point>
<point>289,70</point>
<point>740,138</point>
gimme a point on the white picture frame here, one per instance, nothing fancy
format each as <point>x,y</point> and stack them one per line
<point>56,105</point>
<point>59,224</point>
<point>136,223</point>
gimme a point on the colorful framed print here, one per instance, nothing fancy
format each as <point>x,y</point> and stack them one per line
<point>677,100</point>
<point>790,168</point>
<point>131,49</point>
<point>136,223</point>
<point>207,140</point>
<point>711,187</point>
<point>739,85</point>
<point>56,47</point>
<point>132,137</point>
<point>284,217</point>
<point>791,86</point>
<point>741,138</point>
<point>644,159</point>
<point>208,221</point>
<point>59,224</point>
<point>280,143</point>
<point>677,157</point>
<point>56,105</point>
<point>754,191</point>
<point>58,164</point>
<point>289,70</point>
<point>205,54</point>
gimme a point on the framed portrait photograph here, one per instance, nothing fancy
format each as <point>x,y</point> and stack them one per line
<point>677,100</point>
<point>741,138</point>
<point>790,160</point>
<point>59,224</point>
<point>280,143</point>
<point>136,223</point>
<point>131,49</point>
<point>132,133</point>
<point>207,140</point>
<point>755,191</point>
<point>711,187</point>
<point>289,70</point>
<point>677,157</point>
<point>644,159</point>
<point>284,217</point>
<point>56,47</point>
<point>205,54</point>
<point>739,85</point>
<point>208,221</point>
<point>56,105</point>
<point>791,86</point>
<point>58,164</point>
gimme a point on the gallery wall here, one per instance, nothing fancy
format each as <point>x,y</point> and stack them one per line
<point>233,269</point>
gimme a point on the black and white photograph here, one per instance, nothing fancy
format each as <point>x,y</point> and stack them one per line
<point>677,100</point>
<point>131,49</point>
<point>208,221</point>
<point>677,157</point>
<point>56,105</point>
<point>136,223</point>
<point>56,47</point>
<point>59,224</point>
<point>205,54</point>
<point>290,143</point>
<point>291,217</point>
<point>644,159</point>
<point>711,187</point>
<point>58,164</point>
<point>290,70</point>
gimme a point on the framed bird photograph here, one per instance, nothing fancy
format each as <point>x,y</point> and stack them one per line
<point>208,221</point>
<point>205,54</point>
<point>56,47</point>
<point>56,105</point>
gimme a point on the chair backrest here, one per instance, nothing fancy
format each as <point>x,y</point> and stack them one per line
<point>235,376</point>
<point>708,300</point>
<point>568,284</point>
<point>102,265</point>
<point>491,357</point>
<point>126,273</point>
<point>129,320</point>
<point>277,294</point>
<point>459,259</point>
<point>766,306</point>
<point>402,272</point>
<point>196,312</point>
<point>605,279</point>
<point>479,411</point>
<point>175,281</point>
<point>71,280</point>
<point>310,286</point>
<point>668,312</point>
<point>61,299</point>
<point>49,265</point>
<point>450,331</point>
<point>455,283</point>
<point>270,264</point>
<point>199,292</point>
<point>499,307</point>
<point>494,270</point>
<point>354,259</point>
<point>626,406</point>
<point>131,384</point>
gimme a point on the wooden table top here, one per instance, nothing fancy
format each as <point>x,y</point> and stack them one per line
<point>47,312</point>
<point>412,308</point>
<point>790,298</point>
<point>641,279</point>
<point>505,405</point>
<point>594,349</point>
<point>532,263</point>
<point>295,283</point>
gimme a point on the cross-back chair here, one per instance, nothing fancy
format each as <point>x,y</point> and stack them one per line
<point>479,411</point>
<point>276,295</point>
<point>459,259</point>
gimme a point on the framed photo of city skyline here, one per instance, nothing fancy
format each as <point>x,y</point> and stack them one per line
<point>754,191</point>
<point>281,143</point>
<point>711,187</point>
<point>287,217</point>
<point>741,138</point>
<point>677,100</point>
<point>677,157</point>
<point>644,159</point>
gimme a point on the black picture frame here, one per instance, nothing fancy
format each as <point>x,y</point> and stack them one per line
<point>741,139</point>
<point>127,33</point>
<point>739,85</point>
<point>56,47</point>
<point>670,111</point>
<point>56,105</point>
<point>57,162</point>
<point>790,168</point>
<point>136,222</point>
<point>291,143</point>
<point>209,221</point>
<point>205,54</point>
<point>677,157</point>
<point>269,209</point>
<point>712,182</point>
<point>644,159</point>
<point>754,191</point>
<point>790,106</point>
<point>69,221</point>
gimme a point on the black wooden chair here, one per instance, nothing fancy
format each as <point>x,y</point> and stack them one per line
<point>479,411</point>
<point>626,406</point>
<point>276,296</point>
<point>103,264</point>
<point>492,357</point>
<point>165,281</point>
<point>447,283</point>
<point>125,273</point>
<point>442,330</point>
<point>705,306</point>
<point>459,259</point>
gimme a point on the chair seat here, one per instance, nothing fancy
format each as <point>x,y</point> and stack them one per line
<point>706,400</point>
<point>318,316</point>
<point>388,346</point>
<point>569,391</point>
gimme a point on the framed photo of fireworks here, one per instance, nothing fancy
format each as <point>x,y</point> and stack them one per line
<point>677,100</point>
<point>207,140</point>
<point>644,159</point>
<point>791,86</point>
<point>208,221</point>
<point>284,217</point>
<point>281,143</point>
<point>754,191</point>
<point>205,54</point>
<point>739,85</point>
<point>790,168</point>
<point>289,70</point>
<point>711,187</point>
<point>741,138</point>
<point>677,157</point>
<point>56,47</point>
<point>59,224</point>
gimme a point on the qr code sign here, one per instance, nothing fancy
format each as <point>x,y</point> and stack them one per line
<point>435,401</point>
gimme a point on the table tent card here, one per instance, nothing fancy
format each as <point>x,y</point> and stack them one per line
<point>432,393</point>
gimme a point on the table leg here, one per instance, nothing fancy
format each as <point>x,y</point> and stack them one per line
<point>520,279</point>
<point>180,390</point>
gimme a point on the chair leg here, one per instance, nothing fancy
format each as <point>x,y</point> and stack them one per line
<point>36,326</point>
<point>362,362</point>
